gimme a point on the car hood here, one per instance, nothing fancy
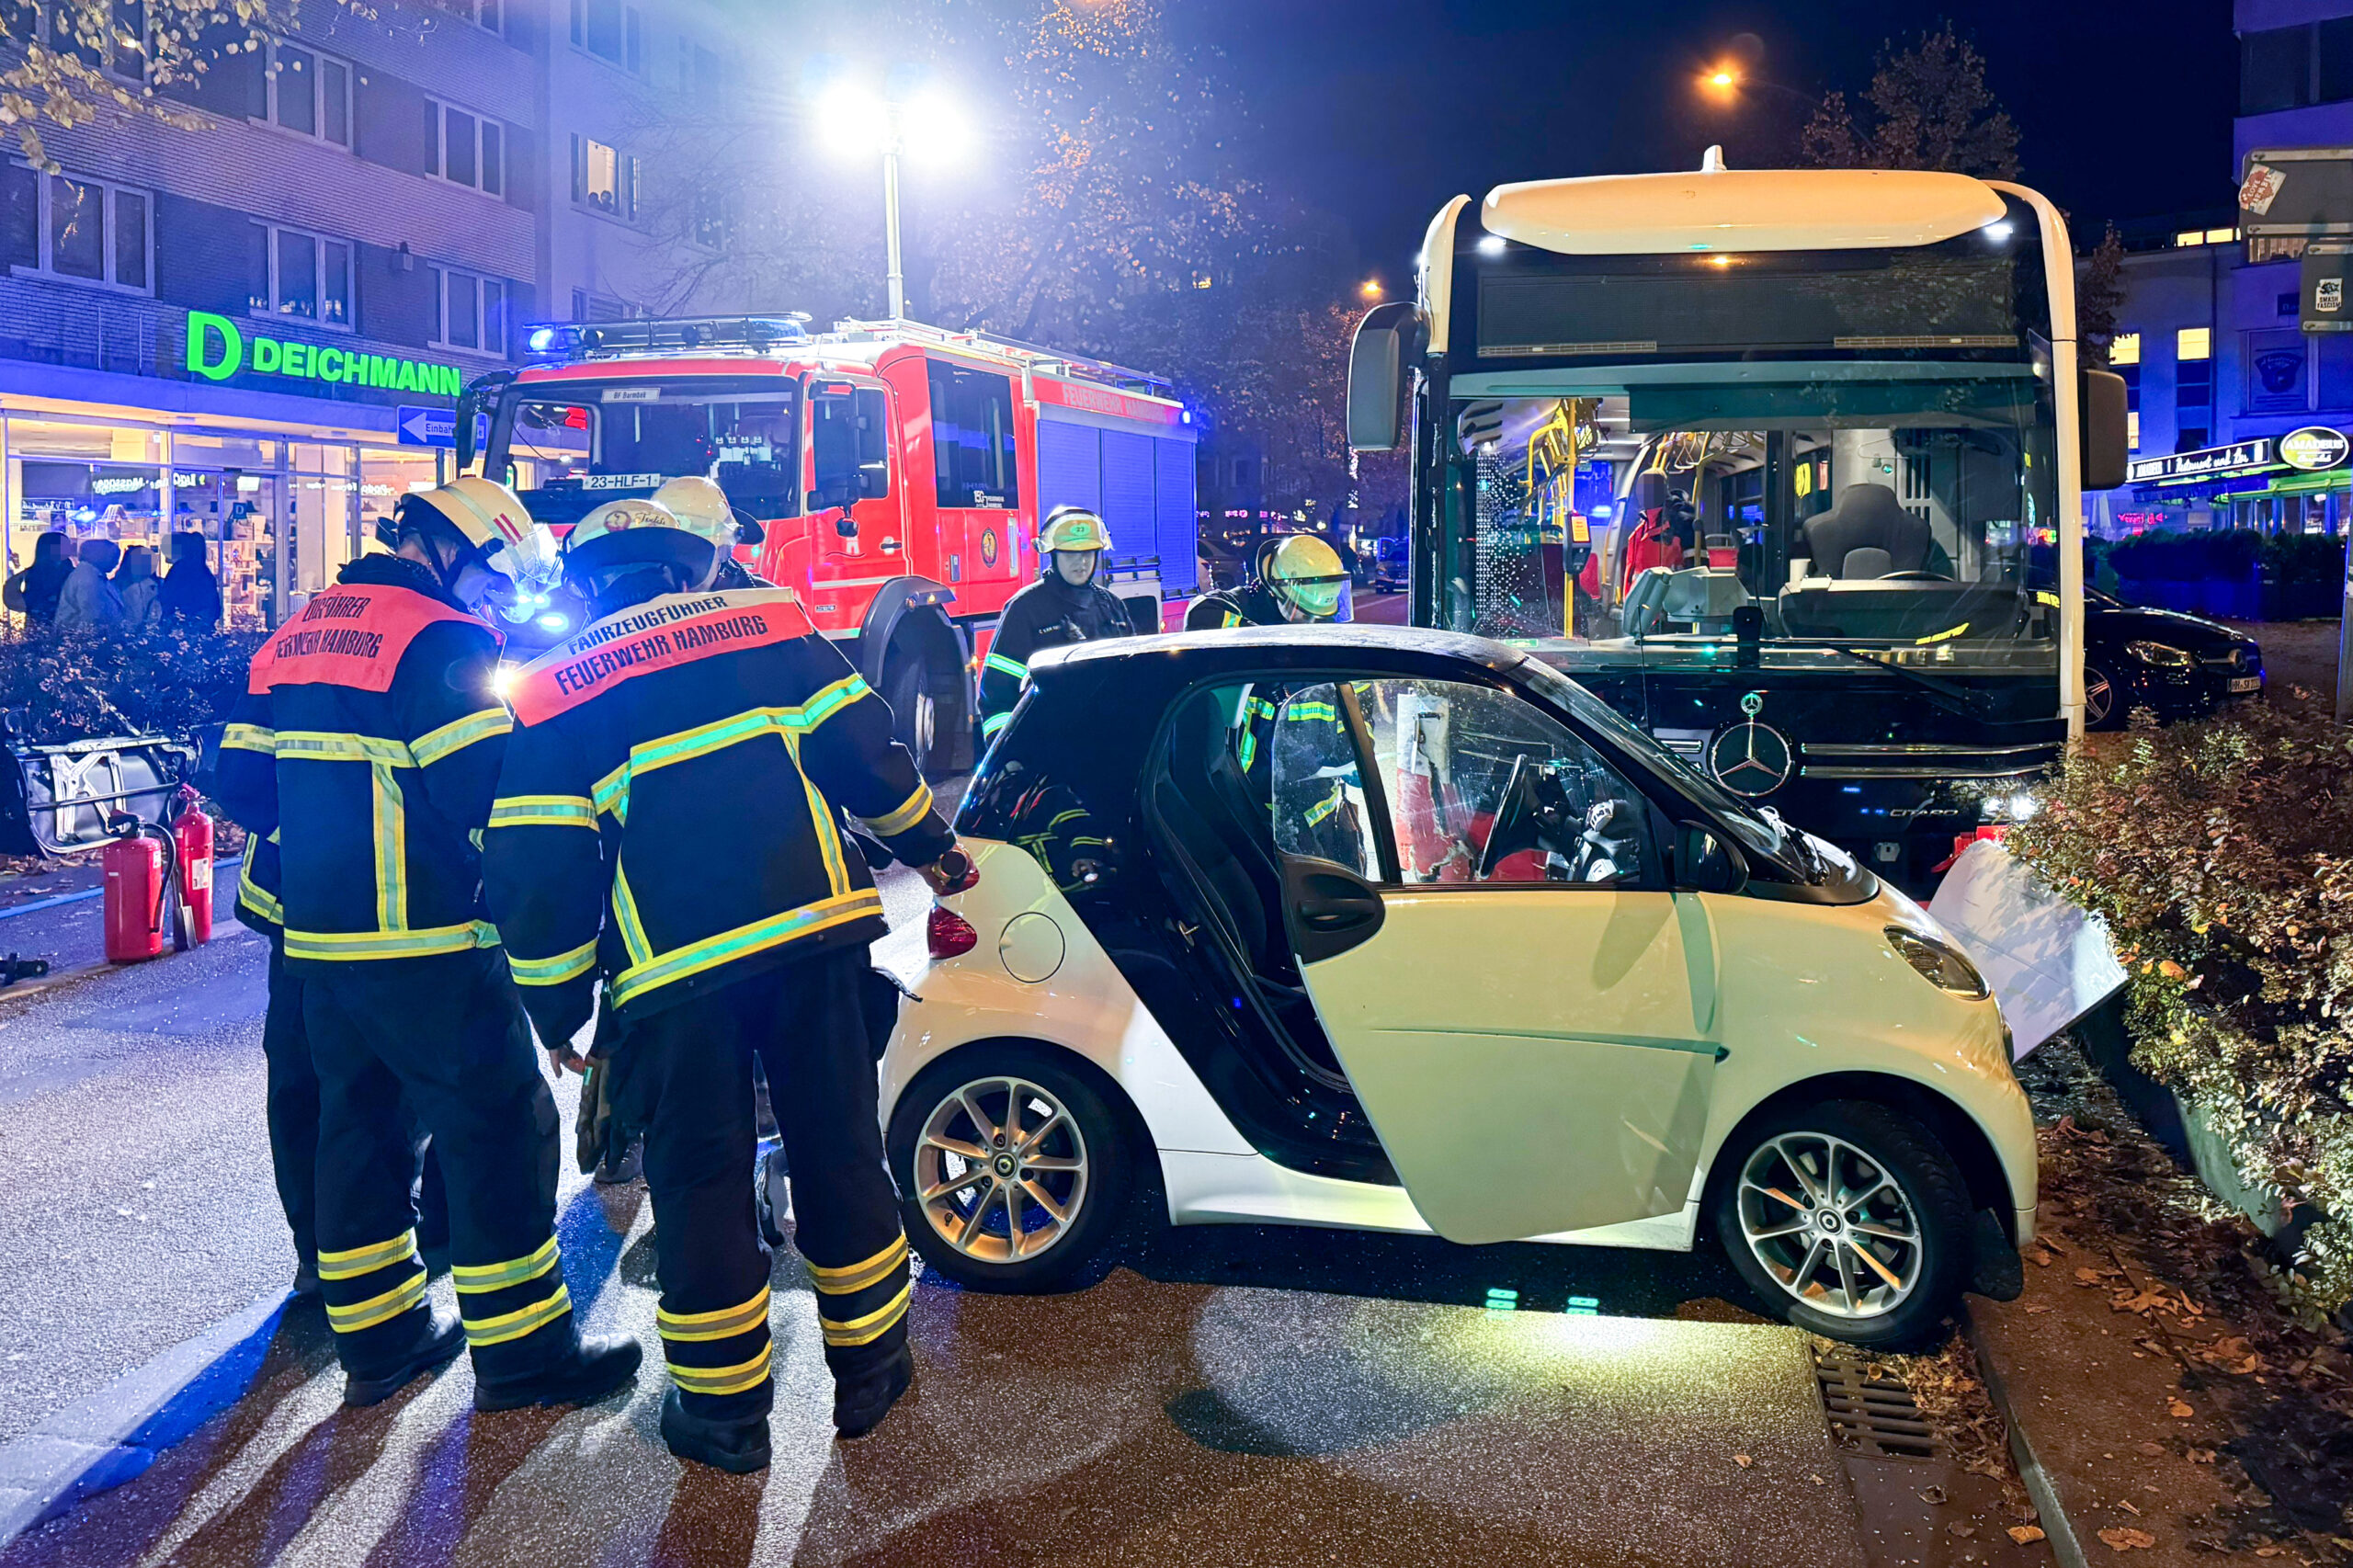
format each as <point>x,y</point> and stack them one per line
<point>2194,633</point>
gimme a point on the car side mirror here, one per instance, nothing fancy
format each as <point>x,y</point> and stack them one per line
<point>1386,339</point>
<point>2105,428</point>
<point>1706,861</point>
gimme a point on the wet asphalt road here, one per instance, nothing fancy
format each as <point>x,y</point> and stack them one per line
<point>1245,1395</point>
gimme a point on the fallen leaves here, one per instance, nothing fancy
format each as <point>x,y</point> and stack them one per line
<point>2121,1537</point>
<point>2026,1534</point>
<point>2179,1410</point>
<point>1743,1461</point>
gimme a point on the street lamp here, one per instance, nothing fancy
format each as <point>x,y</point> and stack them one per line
<point>1371,289</point>
<point>855,119</point>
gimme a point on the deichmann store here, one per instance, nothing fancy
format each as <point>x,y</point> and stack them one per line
<point>2298,482</point>
<point>282,454</point>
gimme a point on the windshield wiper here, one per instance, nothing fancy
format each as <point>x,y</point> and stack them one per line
<point>1952,699</point>
<point>1810,859</point>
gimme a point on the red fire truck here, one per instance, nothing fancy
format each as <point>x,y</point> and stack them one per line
<point>896,472</point>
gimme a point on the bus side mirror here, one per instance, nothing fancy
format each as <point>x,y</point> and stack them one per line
<point>1706,861</point>
<point>2106,439</point>
<point>1387,337</point>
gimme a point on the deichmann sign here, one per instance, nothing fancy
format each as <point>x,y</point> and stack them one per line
<point>2314,448</point>
<point>217,350</point>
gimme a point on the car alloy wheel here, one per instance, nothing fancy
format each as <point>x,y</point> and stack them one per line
<point>2100,697</point>
<point>1831,1225</point>
<point>1001,1170</point>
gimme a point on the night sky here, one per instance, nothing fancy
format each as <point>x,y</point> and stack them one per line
<point>1381,109</point>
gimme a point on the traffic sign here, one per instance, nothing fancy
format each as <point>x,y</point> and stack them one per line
<point>436,426</point>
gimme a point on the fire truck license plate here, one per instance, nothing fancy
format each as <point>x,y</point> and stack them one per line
<point>620,481</point>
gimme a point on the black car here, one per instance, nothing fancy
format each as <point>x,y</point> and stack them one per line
<point>2176,665</point>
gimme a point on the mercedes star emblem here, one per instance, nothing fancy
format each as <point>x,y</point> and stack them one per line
<point>1750,759</point>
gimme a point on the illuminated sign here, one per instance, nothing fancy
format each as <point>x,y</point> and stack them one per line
<point>2313,448</point>
<point>218,349</point>
<point>2211,462</point>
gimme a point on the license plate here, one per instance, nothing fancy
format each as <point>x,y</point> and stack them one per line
<point>2246,683</point>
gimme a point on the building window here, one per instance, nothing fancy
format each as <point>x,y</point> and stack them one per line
<point>469,312</point>
<point>304,275</point>
<point>464,148</point>
<point>308,93</point>
<point>604,179</point>
<point>611,31</point>
<point>589,307</point>
<point>83,230</point>
<point>488,14</point>
<point>2133,429</point>
<point>2124,349</point>
<point>2283,68</point>
<point>2193,343</point>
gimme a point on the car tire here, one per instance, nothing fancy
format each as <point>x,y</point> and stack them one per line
<point>2104,704</point>
<point>1918,1212</point>
<point>949,1103</point>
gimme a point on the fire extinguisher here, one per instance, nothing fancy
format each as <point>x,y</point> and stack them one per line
<point>139,872</point>
<point>192,835</point>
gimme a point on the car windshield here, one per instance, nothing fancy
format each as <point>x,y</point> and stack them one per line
<point>1760,832</point>
<point>587,444</point>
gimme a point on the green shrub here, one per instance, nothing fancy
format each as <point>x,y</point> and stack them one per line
<point>2166,557</point>
<point>2297,559</point>
<point>2221,854</point>
<point>70,685</point>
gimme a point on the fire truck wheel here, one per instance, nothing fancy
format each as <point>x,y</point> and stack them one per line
<point>926,709</point>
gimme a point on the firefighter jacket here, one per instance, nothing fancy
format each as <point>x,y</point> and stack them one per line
<point>368,745</point>
<point>667,820</point>
<point>259,880</point>
<point>1249,605</point>
<point>1048,613</point>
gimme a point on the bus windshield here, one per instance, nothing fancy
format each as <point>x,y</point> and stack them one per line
<point>1831,448</point>
<point>570,451</point>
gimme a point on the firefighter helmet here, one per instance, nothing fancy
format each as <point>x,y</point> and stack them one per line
<point>636,533</point>
<point>1072,528</point>
<point>1305,572</point>
<point>492,521</point>
<point>700,508</point>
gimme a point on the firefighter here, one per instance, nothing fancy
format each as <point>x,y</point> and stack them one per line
<point>701,508</point>
<point>1067,603</point>
<point>708,933</point>
<point>1299,580</point>
<point>369,743</point>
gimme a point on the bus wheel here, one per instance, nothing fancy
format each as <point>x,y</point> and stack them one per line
<point>929,708</point>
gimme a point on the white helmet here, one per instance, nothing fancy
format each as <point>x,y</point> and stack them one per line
<point>700,508</point>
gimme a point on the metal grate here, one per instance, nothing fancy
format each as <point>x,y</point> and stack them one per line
<point>1870,1416</point>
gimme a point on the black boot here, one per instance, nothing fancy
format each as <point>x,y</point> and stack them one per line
<point>738,1446</point>
<point>443,1339</point>
<point>861,1402</point>
<point>594,1368</point>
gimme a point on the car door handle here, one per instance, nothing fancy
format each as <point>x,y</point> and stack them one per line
<point>1339,914</point>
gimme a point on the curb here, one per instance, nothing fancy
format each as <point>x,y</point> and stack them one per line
<point>2057,1528</point>
<point>114,1434</point>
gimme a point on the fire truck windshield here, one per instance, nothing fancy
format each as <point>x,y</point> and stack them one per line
<point>568,452</point>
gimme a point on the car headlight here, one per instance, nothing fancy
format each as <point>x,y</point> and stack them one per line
<point>1937,964</point>
<point>2164,654</point>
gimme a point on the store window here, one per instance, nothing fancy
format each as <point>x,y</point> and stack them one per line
<point>79,230</point>
<point>469,312</point>
<point>604,179</point>
<point>464,148</point>
<point>325,533</point>
<point>386,475</point>
<point>308,93</point>
<point>300,275</point>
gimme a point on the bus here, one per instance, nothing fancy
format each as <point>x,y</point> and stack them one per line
<point>1847,435</point>
<point>894,476</point>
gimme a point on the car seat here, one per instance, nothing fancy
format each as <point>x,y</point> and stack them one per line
<point>1868,519</point>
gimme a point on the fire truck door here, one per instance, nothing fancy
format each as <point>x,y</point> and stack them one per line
<point>857,494</point>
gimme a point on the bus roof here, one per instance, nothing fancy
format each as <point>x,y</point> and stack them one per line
<point>1740,210</point>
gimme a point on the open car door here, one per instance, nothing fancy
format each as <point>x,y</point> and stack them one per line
<point>1526,1013</point>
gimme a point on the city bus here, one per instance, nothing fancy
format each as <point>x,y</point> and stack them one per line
<point>1847,435</point>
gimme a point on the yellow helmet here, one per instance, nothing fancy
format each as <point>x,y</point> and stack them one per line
<point>1307,571</point>
<point>1072,528</point>
<point>490,517</point>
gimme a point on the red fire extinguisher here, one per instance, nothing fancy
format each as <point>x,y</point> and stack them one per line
<point>193,833</point>
<point>159,884</point>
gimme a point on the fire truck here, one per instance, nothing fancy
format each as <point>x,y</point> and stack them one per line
<point>893,475</point>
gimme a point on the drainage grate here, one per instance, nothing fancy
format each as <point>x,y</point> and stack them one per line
<point>1873,1416</point>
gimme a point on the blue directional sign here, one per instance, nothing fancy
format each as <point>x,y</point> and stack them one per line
<point>436,426</point>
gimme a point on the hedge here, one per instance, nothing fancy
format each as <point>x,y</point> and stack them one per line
<point>2161,556</point>
<point>2221,854</point>
<point>71,686</point>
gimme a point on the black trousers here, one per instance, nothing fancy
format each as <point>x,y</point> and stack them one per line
<point>291,1097</point>
<point>685,1075</point>
<point>448,1035</point>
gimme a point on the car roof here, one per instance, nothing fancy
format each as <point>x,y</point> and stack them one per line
<point>1202,654</point>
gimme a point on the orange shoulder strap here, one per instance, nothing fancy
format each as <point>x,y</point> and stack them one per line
<point>352,635</point>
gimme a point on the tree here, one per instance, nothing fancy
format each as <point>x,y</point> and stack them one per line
<point>2100,294</point>
<point>68,62</point>
<point>1927,108</point>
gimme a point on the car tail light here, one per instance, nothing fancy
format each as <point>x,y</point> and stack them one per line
<point>949,933</point>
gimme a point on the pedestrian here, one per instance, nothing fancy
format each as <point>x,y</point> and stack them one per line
<point>191,593</point>
<point>135,579</point>
<point>90,601</point>
<point>670,712</point>
<point>1067,603</point>
<point>33,593</point>
<point>370,741</point>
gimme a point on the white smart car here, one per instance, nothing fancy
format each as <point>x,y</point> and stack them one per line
<point>1392,931</point>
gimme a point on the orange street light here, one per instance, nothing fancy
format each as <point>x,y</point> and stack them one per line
<point>1371,289</point>
<point>1723,81</point>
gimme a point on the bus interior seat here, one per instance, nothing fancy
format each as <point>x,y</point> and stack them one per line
<point>1867,517</point>
<point>1865,562</point>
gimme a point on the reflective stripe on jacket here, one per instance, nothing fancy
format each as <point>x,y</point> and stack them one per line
<point>367,745</point>
<point>667,820</point>
<point>1048,613</point>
